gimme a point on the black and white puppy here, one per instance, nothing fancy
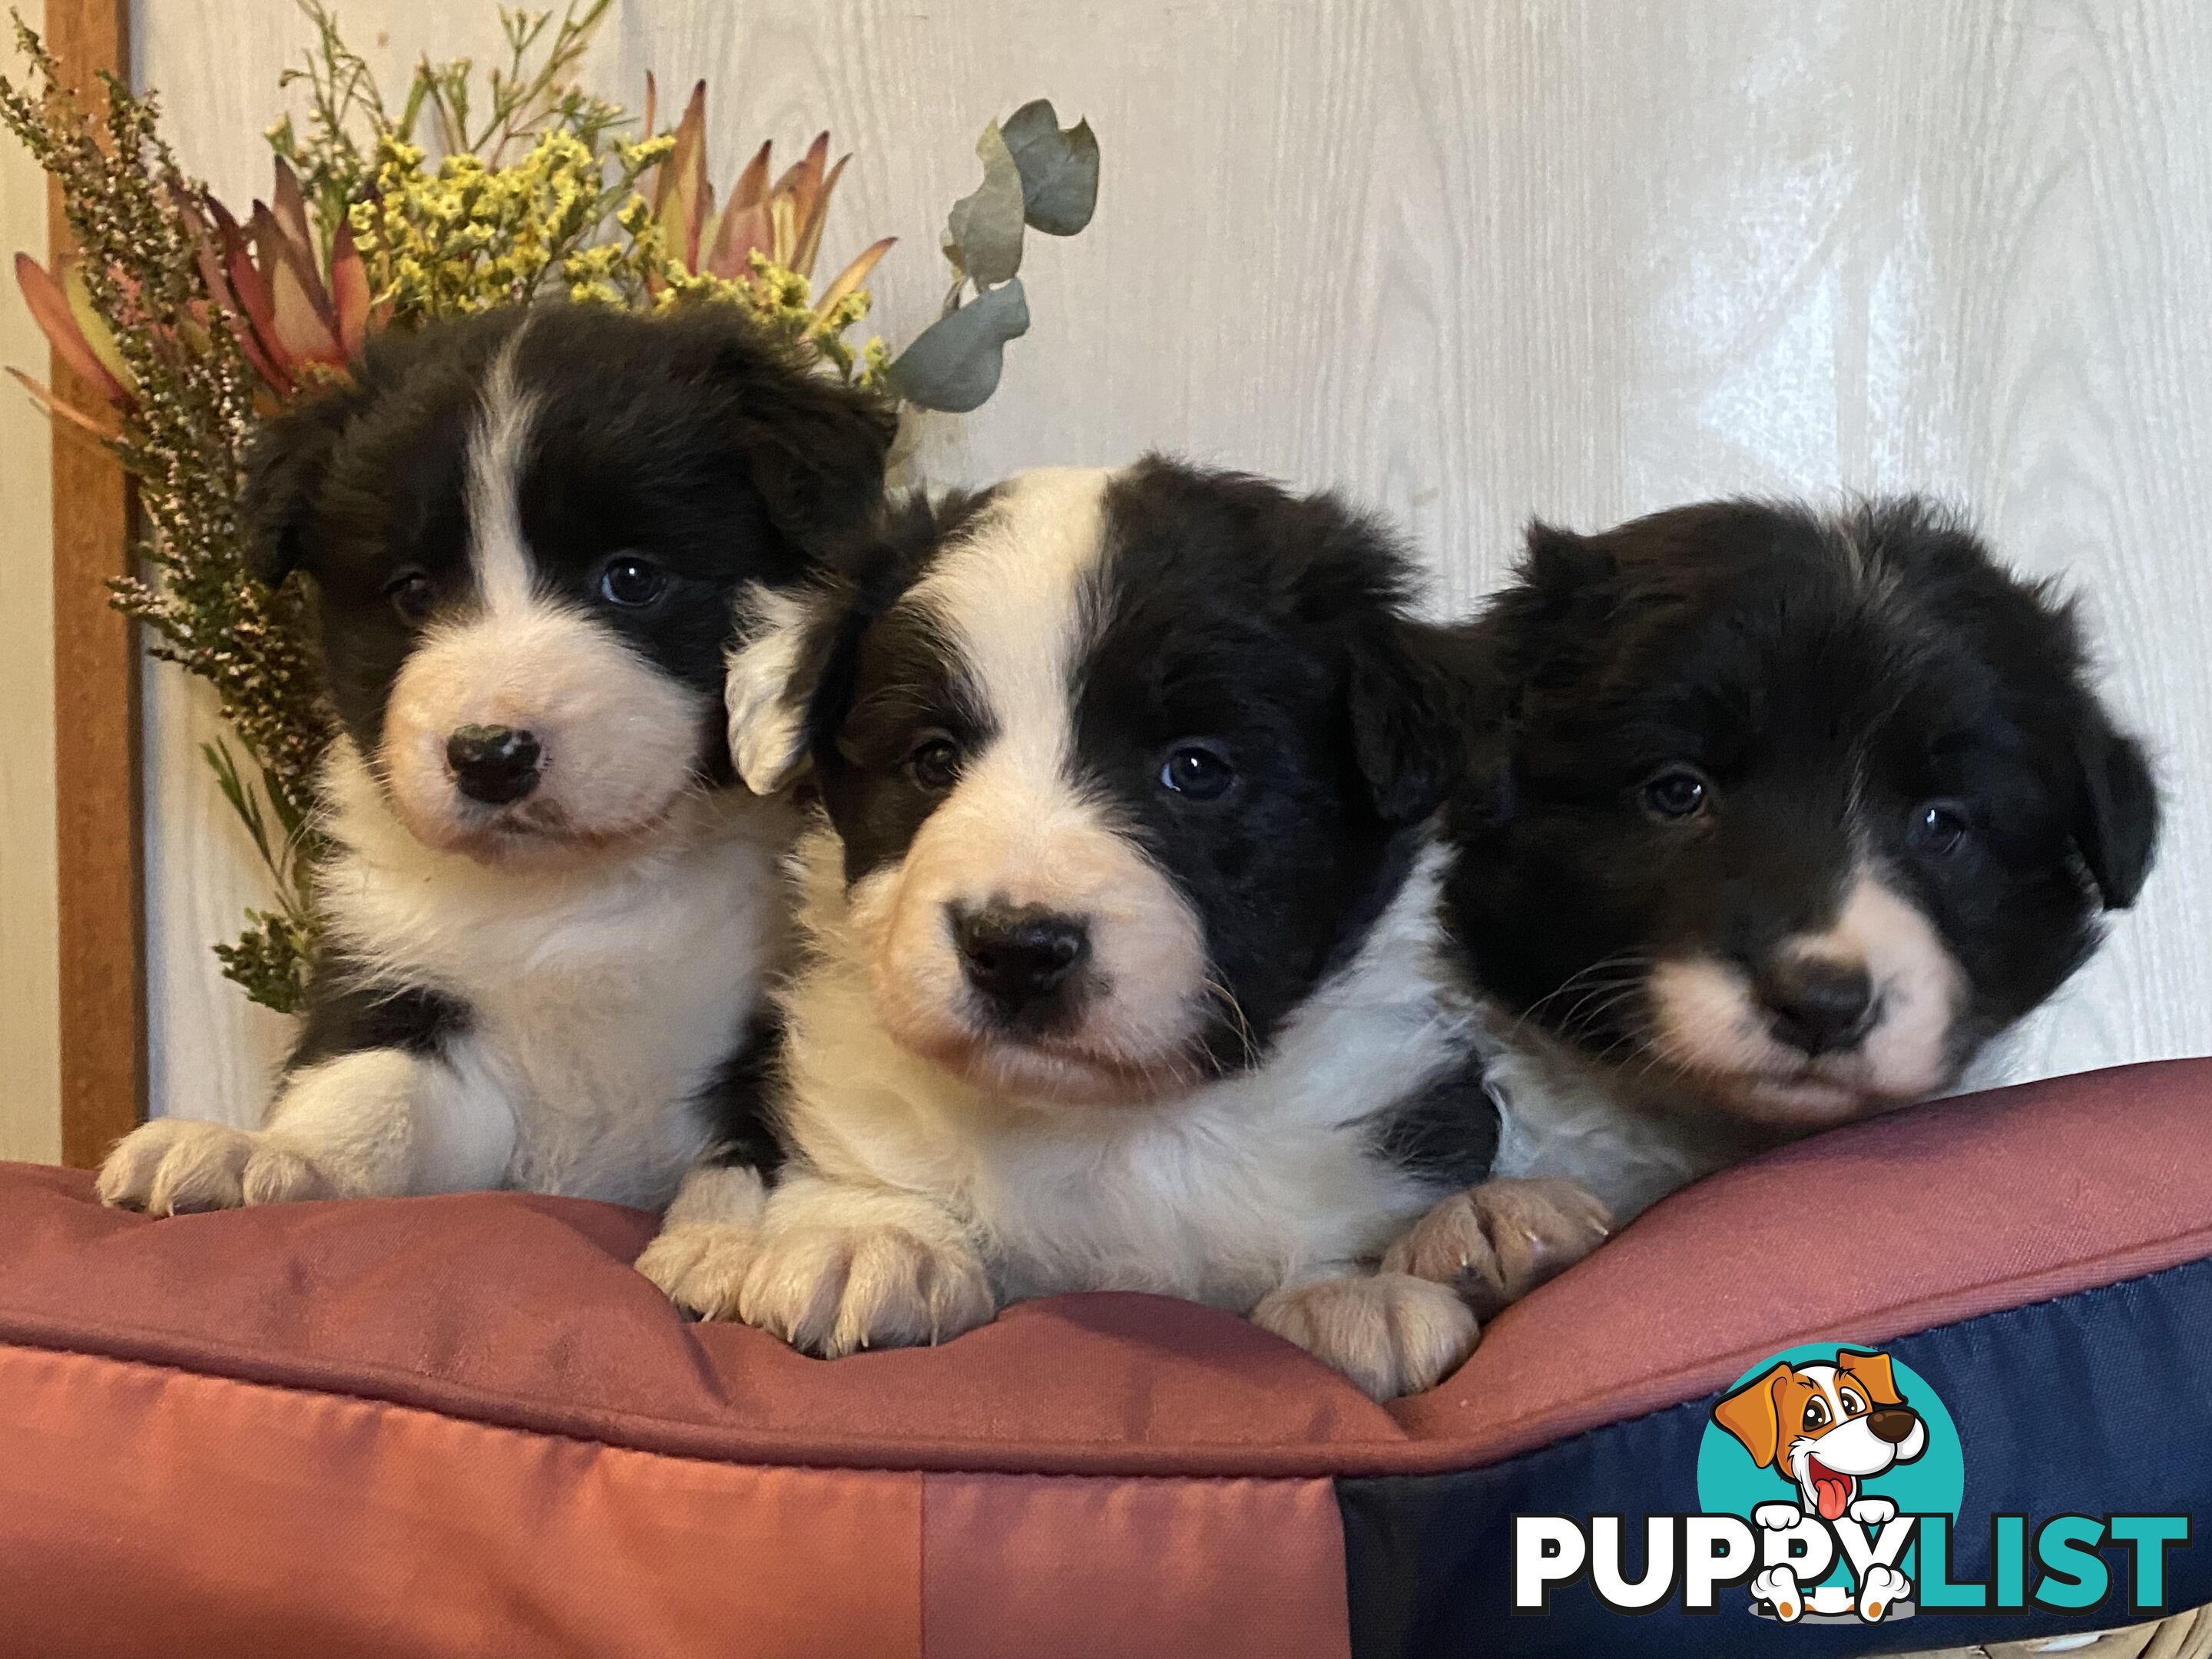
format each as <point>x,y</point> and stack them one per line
<point>1792,813</point>
<point>549,908</point>
<point>1124,965</point>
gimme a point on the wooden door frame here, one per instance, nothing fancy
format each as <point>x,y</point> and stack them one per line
<point>99,864</point>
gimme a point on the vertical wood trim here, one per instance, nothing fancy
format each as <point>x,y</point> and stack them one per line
<point>100,859</point>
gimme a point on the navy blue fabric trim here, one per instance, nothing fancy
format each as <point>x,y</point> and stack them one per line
<point>2097,1403</point>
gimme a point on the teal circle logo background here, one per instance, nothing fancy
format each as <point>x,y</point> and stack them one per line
<point>1934,1483</point>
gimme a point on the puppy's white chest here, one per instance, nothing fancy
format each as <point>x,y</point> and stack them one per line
<point>1181,1205</point>
<point>599,1001</point>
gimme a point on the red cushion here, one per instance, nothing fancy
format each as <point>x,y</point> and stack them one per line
<point>522,1314</point>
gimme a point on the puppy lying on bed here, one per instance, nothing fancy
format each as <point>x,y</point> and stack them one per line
<point>1792,814</point>
<point>1124,965</point>
<point>549,909</point>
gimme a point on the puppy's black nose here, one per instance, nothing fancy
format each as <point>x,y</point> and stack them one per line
<point>1015,955</point>
<point>494,764</point>
<point>1815,1003</point>
<point>1893,1424</point>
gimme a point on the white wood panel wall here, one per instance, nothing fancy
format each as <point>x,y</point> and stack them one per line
<point>1476,259</point>
<point>30,1057</point>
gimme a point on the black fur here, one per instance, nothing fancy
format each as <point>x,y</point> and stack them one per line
<point>734,1104</point>
<point>1271,627</point>
<point>1830,679</point>
<point>349,1011</point>
<point>690,439</point>
<point>1447,1131</point>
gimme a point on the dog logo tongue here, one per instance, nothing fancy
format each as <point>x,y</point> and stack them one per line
<point>1833,1489</point>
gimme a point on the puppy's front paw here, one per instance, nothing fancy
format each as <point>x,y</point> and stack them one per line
<point>702,1265</point>
<point>1390,1334</point>
<point>832,1290</point>
<point>1883,1589</point>
<point>1495,1243</point>
<point>1777,1517</point>
<point>1778,1587</point>
<point>175,1165</point>
<point>1872,1511</point>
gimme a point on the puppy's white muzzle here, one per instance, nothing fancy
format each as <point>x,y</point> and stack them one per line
<point>527,734</point>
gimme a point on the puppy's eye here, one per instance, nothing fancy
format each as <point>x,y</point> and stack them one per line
<point>630,581</point>
<point>411,596</point>
<point>1937,826</point>
<point>1816,1413</point>
<point>1853,1405</point>
<point>1196,774</point>
<point>934,762</point>
<point>1680,792</point>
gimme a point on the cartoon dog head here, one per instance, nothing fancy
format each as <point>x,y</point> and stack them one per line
<point>1829,1427</point>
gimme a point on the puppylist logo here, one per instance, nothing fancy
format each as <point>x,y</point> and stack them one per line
<point>1830,1479</point>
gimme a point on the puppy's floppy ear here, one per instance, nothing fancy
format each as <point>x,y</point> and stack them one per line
<point>778,666</point>
<point>1415,693</point>
<point>1753,1415</point>
<point>1575,577</point>
<point>1873,1373</point>
<point>2117,812</point>
<point>285,468</point>
<point>813,449</point>
<point>791,663</point>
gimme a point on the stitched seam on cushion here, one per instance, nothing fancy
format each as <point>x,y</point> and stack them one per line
<point>375,1403</point>
<point>1702,1402</point>
<point>762,1454</point>
<point>1877,1316</point>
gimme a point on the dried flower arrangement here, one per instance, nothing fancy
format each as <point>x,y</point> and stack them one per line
<point>194,323</point>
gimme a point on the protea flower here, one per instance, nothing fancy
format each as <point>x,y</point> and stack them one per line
<point>781,222</point>
<point>60,305</point>
<point>269,279</point>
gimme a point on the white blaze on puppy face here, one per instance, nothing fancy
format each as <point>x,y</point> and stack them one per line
<point>1707,1020</point>
<point>619,739</point>
<point>1018,829</point>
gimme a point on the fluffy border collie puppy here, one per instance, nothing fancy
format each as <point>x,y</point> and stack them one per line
<point>1793,813</point>
<point>549,909</point>
<point>1123,964</point>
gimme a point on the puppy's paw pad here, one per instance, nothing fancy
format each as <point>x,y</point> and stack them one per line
<point>1872,1511</point>
<point>1778,1587</point>
<point>833,1291</point>
<point>1389,1332</point>
<point>1497,1242</point>
<point>175,1165</point>
<point>1881,1590</point>
<point>701,1266</point>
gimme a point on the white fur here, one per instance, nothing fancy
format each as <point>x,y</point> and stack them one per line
<point>606,937</point>
<point>1018,828</point>
<point>1629,1138</point>
<point>601,996</point>
<point>1220,1193</point>
<point>1706,1021</point>
<point>618,737</point>
<point>766,727</point>
<point>941,1167</point>
<point>1632,1132</point>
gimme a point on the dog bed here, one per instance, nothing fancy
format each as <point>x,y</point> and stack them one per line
<point>462,1425</point>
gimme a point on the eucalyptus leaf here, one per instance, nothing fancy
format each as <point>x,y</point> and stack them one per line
<point>1059,168</point>
<point>953,364</point>
<point>986,229</point>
